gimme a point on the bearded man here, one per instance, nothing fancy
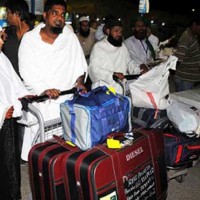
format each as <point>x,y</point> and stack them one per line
<point>140,49</point>
<point>50,60</point>
<point>109,57</point>
<point>86,36</point>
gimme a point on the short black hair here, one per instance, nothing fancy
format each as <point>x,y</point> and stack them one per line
<point>20,7</point>
<point>113,22</point>
<point>194,18</point>
<point>50,3</point>
<point>139,18</point>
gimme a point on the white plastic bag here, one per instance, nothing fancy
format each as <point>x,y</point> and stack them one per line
<point>150,89</point>
<point>184,118</point>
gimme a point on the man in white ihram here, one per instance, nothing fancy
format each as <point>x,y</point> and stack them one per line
<point>111,57</point>
<point>50,60</point>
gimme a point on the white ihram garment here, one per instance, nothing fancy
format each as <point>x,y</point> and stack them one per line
<point>11,88</point>
<point>46,66</point>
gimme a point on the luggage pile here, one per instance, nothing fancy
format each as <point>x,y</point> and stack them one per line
<point>136,171</point>
<point>114,146</point>
<point>153,109</point>
<point>103,157</point>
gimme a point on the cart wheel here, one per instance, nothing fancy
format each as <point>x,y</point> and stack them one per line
<point>180,179</point>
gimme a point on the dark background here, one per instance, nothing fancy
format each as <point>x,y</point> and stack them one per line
<point>172,6</point>
<point>174,13</point>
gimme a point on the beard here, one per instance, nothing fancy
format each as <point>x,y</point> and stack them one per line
<point>83,33</point>
<point>56,30</point>
<point>140,35</point>
<point>115,42</point>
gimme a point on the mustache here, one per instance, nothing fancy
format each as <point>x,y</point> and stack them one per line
<point>58,23</point>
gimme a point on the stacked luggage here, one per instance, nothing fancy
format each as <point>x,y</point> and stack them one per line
<point>137,165</point>
<point>151,107</point>
<point>135,168</point>
<point>136,171</point>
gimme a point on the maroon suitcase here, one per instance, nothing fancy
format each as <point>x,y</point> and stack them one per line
<point>46,177</point>
<point>134,172</point>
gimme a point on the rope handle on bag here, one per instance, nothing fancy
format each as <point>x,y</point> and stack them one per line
<point>150,95</point>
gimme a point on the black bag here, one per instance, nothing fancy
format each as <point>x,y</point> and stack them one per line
<point>180,150</point>
<point>148,118</point>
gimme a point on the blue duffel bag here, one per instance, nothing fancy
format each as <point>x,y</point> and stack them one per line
<point>88,118</point>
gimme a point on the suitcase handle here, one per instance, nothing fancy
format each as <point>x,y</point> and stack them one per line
<point>63,143</point>
<point>116,135</point>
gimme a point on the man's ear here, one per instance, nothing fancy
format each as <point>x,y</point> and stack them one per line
<point>44,16</point>
<point>107,31</point>
<point>17,14</point>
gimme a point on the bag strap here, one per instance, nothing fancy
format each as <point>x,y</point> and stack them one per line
<point>179,153</point>
<point>116,165</point>
<point>93,94</point>
<point>72,122</point>
<point>150,46</point>
<point>150,95</point>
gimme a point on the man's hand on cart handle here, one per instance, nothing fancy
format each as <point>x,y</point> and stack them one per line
<point>143,69</point>
<point>127,77</point>
<point>52,93</point>
<point>31,98</point>
<point>80,85</point>
<point>119,75</point>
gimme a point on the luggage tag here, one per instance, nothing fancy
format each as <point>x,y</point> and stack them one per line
<point>117,144</point>
<point>113,144</point>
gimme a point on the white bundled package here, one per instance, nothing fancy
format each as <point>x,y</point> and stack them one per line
<point>185,118</point>
<point>150,89</point>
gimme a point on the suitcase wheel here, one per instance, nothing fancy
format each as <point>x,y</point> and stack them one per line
<point>180,179</point>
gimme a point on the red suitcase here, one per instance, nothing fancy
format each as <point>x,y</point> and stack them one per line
<point>134,172</point>
<point>46,177</point>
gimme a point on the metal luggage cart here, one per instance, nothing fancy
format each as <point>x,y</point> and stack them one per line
<point>46,129</point>
<point>177,173</point>
<point>125,84</point>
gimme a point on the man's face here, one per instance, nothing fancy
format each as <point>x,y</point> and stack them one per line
<point>84,28</point>
<point>115,36</point>
<point>197,29</point>
<point>55,19</point>
<point>140,30</point>
<point>11,17</point>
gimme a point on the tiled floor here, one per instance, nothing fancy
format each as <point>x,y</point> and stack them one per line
<point>189,189</point>
<point>25,186</point>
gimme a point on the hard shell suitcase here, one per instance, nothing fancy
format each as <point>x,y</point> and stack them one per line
<point>46,177</point>
<point>136,171</point>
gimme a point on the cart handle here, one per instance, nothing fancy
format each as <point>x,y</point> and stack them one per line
<point>25,101</point>
<point>127,77</point>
